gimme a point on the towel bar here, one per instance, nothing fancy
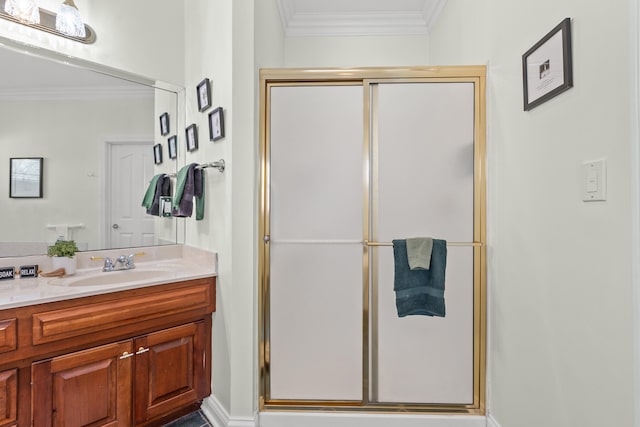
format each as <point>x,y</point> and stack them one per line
<point>367,243</point>
<point>267,239</point>
<point>220,165</point>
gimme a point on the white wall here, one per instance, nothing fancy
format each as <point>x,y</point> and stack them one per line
<point>560,348</point>
<point>269,35</point>
<point>356,51</point>
<point>459,36</point>
<point>207,56</point>
<point>71,195</point>
<point>223,51</point>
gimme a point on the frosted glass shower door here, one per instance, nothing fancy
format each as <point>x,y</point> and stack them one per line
<point>315,243</point>
<point>424,169</point>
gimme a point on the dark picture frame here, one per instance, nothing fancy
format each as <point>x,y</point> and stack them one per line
<point>547,68</point>
<point>216,124</point>
<point>157,154</point>
<point>164,124</point>
<point>191,137</point>
<point>25,177</point>
<point>172,144</point>
<point>203,93</point>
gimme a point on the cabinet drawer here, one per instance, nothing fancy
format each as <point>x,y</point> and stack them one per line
<point>60,324</point>
<point>8,335</point>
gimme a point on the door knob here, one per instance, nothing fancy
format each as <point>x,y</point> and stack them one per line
<point>115,226</point>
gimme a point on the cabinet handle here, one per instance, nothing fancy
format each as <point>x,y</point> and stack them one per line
<point>126,355</point>
<point>142,350</point>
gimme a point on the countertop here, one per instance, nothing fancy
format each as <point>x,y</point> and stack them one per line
<point>154,266</point>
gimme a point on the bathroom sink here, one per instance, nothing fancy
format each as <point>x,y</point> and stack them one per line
<point>110,278</point>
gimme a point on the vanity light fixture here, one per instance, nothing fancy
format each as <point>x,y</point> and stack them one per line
<point>69,21</point>
<point>66,23</point>
<point>25,11</point>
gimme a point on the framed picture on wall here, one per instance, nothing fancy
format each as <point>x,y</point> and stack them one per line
<point>547,67</point>
<point>164,124</point>
<point>204,94</point>
<point>192,137</point>
<point>157,154</point>
<point>173,147</point>
<point>216,124</point>
<point>25,177</point>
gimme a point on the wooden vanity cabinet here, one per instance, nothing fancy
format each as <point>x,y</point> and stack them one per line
<point>139,357</point>
<point>153,375</point>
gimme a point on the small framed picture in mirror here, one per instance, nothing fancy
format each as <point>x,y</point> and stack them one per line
<point>173,147</point>
<point>25,177</point>
<point>157,154</point>
<point>192,137</point>
<point>216,124</point>
<point>164,124</point>
<point>203,92</point>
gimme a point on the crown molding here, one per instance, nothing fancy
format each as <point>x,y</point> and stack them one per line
<point>361,23</point>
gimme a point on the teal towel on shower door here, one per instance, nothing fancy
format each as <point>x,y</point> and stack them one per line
<point>420,292</point>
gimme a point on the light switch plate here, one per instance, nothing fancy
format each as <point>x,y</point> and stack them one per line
<point>594,181</point>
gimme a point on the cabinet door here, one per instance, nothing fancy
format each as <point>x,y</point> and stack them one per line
<point>90,387</point>
<point>170,372</point>
<point>8,396</point>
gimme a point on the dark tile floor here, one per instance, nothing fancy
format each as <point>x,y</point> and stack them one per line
<point>194,419</point>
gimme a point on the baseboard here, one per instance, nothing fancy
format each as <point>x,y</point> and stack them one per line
<point>318,419</point>
<point>219,416</point>
<point>491,422</point>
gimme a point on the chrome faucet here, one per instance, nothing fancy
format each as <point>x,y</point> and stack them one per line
<point>125,263</point>
<point>108,264</point>
<point>121,263</point>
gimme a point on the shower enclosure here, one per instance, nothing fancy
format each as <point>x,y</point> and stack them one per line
<point>352,159</point>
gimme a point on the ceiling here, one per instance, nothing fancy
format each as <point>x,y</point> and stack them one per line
<point>358,17</point>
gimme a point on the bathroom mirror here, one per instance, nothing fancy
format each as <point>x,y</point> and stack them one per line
<point>94,128</point>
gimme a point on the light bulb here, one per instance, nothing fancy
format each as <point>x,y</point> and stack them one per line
<point>69,21</point>
<point>25,11</point>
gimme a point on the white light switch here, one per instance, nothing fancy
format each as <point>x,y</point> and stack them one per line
<point>594,181</point>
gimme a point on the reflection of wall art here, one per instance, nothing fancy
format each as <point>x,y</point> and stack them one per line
<point>216,124</point>
<point>25,177</point>
<point>547,66</point>
<point>164,124</point>
<point>157,154</point>
<point>192,137</point>
<point>173,147</point>
<point>203,91</point>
